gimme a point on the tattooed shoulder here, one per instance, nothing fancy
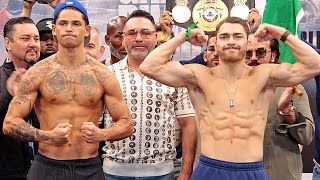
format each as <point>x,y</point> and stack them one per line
<point>102,74</point>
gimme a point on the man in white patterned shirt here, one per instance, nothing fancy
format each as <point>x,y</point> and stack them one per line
<point>150,151</point>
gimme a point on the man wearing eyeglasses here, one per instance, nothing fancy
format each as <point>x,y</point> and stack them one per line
<point>289,120</point>
<point>149,152</point>
<point>263,52</point>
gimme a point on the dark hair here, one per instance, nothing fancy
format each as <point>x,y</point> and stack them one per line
<point>83,16</point>
<point>9,26</point>
<point>274,45</point>
<point>158,28</point>
<point>141,13</point>
<point>234,20</point>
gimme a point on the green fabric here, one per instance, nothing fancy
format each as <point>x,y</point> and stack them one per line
<point>287,14</point>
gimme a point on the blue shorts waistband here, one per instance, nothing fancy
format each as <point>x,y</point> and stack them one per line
<point>234,166</point>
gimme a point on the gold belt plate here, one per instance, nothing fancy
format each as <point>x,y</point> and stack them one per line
<point>208,14</point>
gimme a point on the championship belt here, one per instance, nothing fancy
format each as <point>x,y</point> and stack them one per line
<point>240,9</point>
<point>207,14</point>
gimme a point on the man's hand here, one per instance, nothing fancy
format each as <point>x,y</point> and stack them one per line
<point>91,133</point>
<point>60,134</point>
<point>183,177</point>
<point>14,79</point>
<point>267,32</point>
<point>166,22</point>
<point>28,4</point>
<point>197,37</point>
<point>27,7</point>
<point>254,18</point>
<point>285,106</point>
<point>54,3</point>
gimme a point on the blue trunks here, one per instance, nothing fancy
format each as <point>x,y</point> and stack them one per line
<point>211,169</point>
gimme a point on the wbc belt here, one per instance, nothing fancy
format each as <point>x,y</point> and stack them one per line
<point>208,13</point>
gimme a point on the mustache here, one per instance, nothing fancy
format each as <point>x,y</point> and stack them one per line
<point>32,49</point>
<point>231,47</point>
<point>139,45</point>
<point>253,63</point>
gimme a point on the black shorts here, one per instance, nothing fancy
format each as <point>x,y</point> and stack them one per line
<point>44,168</point>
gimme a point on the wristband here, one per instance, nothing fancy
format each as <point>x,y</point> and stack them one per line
<point>285,36</point>
<point>192,26</point>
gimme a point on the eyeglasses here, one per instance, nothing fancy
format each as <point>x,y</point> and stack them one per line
<point>260,53</point>
<point>145,33</point>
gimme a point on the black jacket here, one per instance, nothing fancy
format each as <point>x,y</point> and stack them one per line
<point>15,155</point>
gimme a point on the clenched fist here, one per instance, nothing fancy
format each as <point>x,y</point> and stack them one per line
<point>91,133</point>
<point>60,134</point>
<point>197,37</point>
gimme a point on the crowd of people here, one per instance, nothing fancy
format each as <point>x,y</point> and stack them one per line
<point>232,112</point>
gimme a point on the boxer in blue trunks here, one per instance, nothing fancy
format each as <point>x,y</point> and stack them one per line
<point>231,100</point>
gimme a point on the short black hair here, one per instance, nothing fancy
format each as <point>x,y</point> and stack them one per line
<point>234,20</point>
<point>9,26</point>
<point>141,13</point>
<point>58,14</point>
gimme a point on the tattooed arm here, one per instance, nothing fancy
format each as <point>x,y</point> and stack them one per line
<point>116,107</point>
<point>21,105</point>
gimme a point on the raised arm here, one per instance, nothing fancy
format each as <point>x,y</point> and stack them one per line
<point>28,4</point>
<point>117,108</point>
<point>158,66</point>
<point>21,105</point>
<point>285,74</point>
<point>27,8</point>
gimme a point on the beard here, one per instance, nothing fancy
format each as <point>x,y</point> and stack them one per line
<point>232,57</point>
<point>139,54</point>
<point>116,53</point>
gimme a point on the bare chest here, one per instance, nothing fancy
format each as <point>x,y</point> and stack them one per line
<point>81,86</point>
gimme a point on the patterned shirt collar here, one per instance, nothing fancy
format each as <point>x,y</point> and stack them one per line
<point>124,63</point>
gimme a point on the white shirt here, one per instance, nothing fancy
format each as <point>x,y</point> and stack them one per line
<point>154,108</point>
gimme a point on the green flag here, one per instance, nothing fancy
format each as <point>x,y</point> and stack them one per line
<point>287,14</point>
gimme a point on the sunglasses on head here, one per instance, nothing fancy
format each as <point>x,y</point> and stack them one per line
<point>260,53</point>
<point>144,33</point>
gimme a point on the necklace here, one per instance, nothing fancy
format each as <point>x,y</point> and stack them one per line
<point>231,98</point>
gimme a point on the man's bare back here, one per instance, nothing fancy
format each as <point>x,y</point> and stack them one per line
<point>228,131</point>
